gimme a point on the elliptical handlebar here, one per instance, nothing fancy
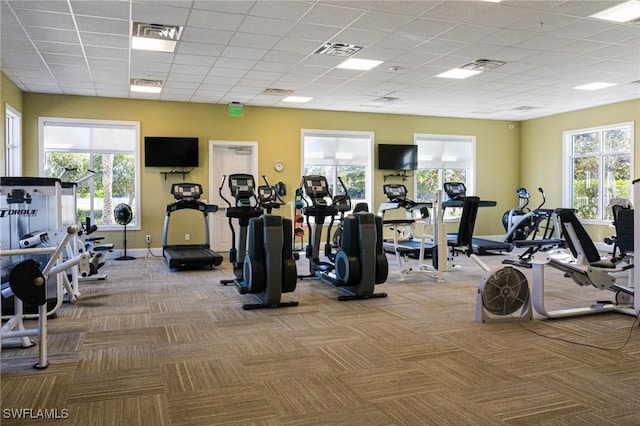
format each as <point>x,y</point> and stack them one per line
<point>224,179</point>
<point>544,198</point>
<point>270,199</point>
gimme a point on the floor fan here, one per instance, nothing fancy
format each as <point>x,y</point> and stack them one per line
<point>123,216</point>
<point>503,291</point>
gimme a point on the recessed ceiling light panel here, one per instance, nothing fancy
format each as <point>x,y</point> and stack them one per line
<point>146,86</point>
<point>594,86</point>
<point>623,12</point>
<point>359,64</point>
<point>458,73</point>
<point>297,99</point>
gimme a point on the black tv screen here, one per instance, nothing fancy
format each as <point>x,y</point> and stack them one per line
<point>397,157</point>
<point>170,151</point>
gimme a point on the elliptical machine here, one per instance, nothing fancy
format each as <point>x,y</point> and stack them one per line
<point>242,188</point>
<point>268,266</point>
<point>360,262</point>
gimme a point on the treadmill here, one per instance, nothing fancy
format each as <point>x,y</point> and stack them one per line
<point>187,256</point>
<point>397,199</point>
<point>457,191</point>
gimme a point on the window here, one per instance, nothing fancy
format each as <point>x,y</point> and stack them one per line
<point>103,156</point>
<point>444,158</point>
<point>13,142</point>
<point>344,154</point>
<point>598,166</point>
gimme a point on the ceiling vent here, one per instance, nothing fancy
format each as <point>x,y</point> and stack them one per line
<point>483,65</point>
<point>277,92</point>
<point>338,49</point>
<point>165,32</point>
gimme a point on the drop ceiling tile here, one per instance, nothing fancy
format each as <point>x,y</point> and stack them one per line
<point>387,22</point>
<point>240,7</point>
<point>102,25</point>
<point>426,28</point>
<point>104,40</point>
<point>102,9</point>
<point>267,26</point>
<point>291,45</point>
<point>59,48</point>
<point>205,35</point>
<point>52,58</point>
<point>404,7</point>
<point>240,64</point>
<point>357,37</point>
<point>197,60</point>
<point>214,20</point>
<point>287,10</point>
<point>459,11</point>
<point>243,53</point>
<point>183,70</point>
<point>272,66</point>
<point>628,35</point>
<point>34,18</point>
<point>106,52</point>
<point>283,57</point>
<point>53,35</point>
<point>201,49</point>
<point>256,41</point>
<point>155,13</point>
<point>335,15</point>
<point>468,33</point>
<point>319,33</point>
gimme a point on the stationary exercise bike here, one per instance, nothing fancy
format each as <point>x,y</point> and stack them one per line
<point>242,188</point>
<point>360,262</point>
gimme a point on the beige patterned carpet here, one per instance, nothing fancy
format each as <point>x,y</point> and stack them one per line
<point>149,346</point>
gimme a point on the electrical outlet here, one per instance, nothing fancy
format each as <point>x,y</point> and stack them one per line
<point>187,237</point>
<point>148,239</point>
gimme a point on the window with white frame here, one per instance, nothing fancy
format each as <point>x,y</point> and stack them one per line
<point>444,158</point>
<point>598,167</point>
<point>344,154</point>
<point>103,156</point>
<point>13,141</point>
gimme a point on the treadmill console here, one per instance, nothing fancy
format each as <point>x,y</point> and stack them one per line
<point>186,191</point>
<point>395,192</point>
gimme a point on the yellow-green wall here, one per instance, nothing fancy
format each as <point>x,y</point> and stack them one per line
<point>541,149</point>
<point>277,131</point>
<point>12,95</point>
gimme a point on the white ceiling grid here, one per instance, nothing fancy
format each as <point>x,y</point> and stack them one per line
<point>232,51</point>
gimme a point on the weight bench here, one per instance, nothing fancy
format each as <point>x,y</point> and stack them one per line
<point>586,269</point>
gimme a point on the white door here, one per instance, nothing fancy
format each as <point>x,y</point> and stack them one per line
<point>225,158</point>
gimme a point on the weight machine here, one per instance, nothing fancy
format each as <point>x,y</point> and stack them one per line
<point>585,268</point>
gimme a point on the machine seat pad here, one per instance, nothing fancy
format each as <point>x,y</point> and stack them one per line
<point>104,247</point>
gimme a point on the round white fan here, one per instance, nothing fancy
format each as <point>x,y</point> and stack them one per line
<point>503,291</point>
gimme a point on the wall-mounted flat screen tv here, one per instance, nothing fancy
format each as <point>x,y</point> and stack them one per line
<point>397,157</point>
<point>162,151</point>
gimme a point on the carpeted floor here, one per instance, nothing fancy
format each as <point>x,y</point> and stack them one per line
<point>149,346</point>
